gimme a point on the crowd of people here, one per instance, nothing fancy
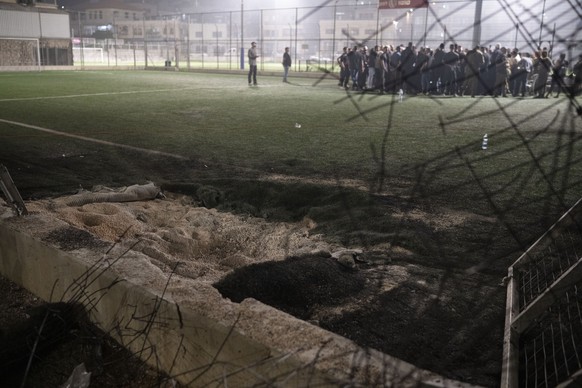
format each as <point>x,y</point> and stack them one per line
<point>457,71</point>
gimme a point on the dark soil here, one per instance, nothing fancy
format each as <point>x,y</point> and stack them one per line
<point>425,323</point>
<point>62,339</point>
<point>446,317</point>
<point>297,285</point>
<point>69,239</point>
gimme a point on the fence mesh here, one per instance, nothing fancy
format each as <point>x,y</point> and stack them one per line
<point>551,350</point>
<point>548,264</point>
<point>548,304</point>
<point>316,35</point>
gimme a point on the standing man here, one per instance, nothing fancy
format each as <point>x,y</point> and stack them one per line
<point>385,84</point>
<point>438,70</point>
<point>524,67</point>
<point>577,77</point>
<point>451,60</point>
<point>408,61</point>
<point>474,62</point>
<point>422,66</point>
<point>502,71</point>
<point>558,74</point>
<point>542,66</point>
<point>395,67</point>
<point>370,82</point>
<point>253,63</point>
<point>483,72</point>
<point>344,64</point>
<point>286,63</point>
<point>356,66</point>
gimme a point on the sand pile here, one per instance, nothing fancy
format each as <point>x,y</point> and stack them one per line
<point>175,233</point>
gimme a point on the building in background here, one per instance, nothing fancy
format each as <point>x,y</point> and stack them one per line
<point>96,19</point>
<point>33,34</point>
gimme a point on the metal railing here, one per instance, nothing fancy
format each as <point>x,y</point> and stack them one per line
<point>543,323</point>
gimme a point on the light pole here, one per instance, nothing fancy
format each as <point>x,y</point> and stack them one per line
<point>290,36</point>
<point>426,24</point>
<point>348,36</point>
<point>395,23</point>
<point>115,39</point>
<point>202,46</point>
<point>230,41</point>
<point>378,26</point>
<point>166,39</point>
<point>477,23</point>
<point>542,25</point>
<point>188,40</point>
<point>410,21</point>
<point>334,20</point>
<point>242,35</point>
<point>296,31</point>
<point>81,32</point>
<point>216,28</point>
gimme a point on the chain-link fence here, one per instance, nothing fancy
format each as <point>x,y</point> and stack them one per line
<point>316,35</point>
<point>542,345</point>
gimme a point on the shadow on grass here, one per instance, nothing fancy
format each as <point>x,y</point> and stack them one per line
<point>355,218</point>
<point>346,216</point>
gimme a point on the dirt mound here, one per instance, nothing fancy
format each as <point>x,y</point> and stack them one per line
<point>296,285</point>
<point>177,234</point>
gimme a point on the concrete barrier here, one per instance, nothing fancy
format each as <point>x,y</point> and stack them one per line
<point>186,328</point>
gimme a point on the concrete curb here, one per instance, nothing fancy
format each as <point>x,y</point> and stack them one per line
<point>186,328</point>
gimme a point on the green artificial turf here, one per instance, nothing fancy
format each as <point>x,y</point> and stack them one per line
<point>421,149</point>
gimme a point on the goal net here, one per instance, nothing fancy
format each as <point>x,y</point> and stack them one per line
<point>88,55</point>
<point>20,53</point>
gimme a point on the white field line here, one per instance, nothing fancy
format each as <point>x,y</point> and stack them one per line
<point>89,139</point>
<point>97,94</point>
<point>241,86</point>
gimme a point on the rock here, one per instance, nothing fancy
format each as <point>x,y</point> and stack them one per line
<point>347,260</point>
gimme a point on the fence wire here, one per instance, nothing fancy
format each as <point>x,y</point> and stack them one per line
<point>551,350</point>
<point>316,35</point>
<point>549,298</point>
<point>548,264</point>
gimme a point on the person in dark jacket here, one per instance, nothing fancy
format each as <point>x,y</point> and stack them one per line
<point>344,64</point>
<point>252,54</point>
<point>286,64</point>
<point>542,66</point>
<point>438,70</point>
<point>451,60</point>
<point>422,67</point>
<point>356,64</point>
<point>491,70</point>
<point>408,69</point>
<point>371,81</point>
<point>483,72</point>
<point>395,67</point>
<point>474,62</point>
<point>578,76</point>
<point>558,73</point>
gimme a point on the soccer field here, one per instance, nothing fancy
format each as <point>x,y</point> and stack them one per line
<point>370,170</point>
<point>310,124</point>
<point>309,128</point>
